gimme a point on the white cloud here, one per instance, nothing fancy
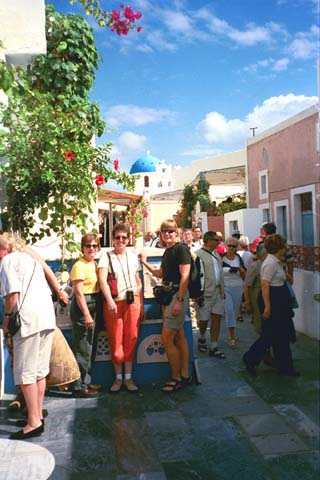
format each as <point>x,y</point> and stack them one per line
<point>281,64</point>
<point>269,63</point>
<point>216,129</point>
<point>132,142</point>
<point>230,133</point>
<point>126,147</point>
<point>159,41</point>
<point>251,36</point>
<point>201,151</point>
<point>135,116</point>
<point>305,44</point>
<point>177,21</point>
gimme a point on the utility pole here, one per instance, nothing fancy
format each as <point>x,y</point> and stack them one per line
<point>253,130</point>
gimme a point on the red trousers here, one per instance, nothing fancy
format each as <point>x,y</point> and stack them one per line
<point>122,329</point>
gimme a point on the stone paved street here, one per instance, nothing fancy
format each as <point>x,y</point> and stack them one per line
<point>231,426</point>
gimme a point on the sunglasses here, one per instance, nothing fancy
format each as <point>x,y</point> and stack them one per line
<point>168,231</point>
<point>121,237</point>
<point>232,246</point>
<point>89,245</point>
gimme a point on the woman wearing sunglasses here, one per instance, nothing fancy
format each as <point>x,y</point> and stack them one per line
<point>122,314</point>
<point>175,270</point>
<point>234,272</point>
<point>85,313</point>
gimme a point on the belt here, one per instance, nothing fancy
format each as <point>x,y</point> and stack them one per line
<point>91,296</point>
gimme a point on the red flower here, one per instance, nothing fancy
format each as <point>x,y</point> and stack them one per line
<point>139,29</point>
<point>116,164</point>
<point>100,180</point>
<point>69,156</point>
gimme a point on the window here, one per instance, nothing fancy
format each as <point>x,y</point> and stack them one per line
<point>159,184</point>
<point>146,181</point>
<point>281,219</point>
<point>233,226</point>
<point>263,184</point>
<point>265,215</point>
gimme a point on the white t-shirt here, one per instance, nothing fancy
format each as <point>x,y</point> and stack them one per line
<point>37,312</point>
<point>232,279</point>
<point>246,257</point>
<point>125,268</point>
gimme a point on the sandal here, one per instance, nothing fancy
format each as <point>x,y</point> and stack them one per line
<point>215,352</point>
<point>232,343</point>
<point>171,385</point>
<point>202,345</point>
<point>185,382</point>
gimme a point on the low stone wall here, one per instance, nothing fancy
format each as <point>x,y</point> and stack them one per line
<point>307,289</point>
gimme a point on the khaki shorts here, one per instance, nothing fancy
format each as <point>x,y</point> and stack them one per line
<point>31,357</point>
<point>212,305</point>
<point>169,321</point>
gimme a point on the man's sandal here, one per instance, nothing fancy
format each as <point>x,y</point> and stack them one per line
<point>215,352</point>
<point>171,385</point>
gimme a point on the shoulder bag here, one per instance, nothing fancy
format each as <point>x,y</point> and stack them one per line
<point>112,280</point>
<point>15,319</point>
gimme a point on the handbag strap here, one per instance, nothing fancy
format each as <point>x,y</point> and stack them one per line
<point>25,293</point>
<point>110,263</point>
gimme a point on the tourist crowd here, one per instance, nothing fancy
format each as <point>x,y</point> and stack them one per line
<point>107,295</point>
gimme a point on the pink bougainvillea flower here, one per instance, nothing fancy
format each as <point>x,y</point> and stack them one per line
<point>138,15</point>
<point>115,14</point>
<point>139,29</point>
<point>144,213</point>
<point>69,156</point>
<point>100,180</point>
<point>116,164</point>
<point>134,210</point>
<point>129,14</point>
<point>121,5</point>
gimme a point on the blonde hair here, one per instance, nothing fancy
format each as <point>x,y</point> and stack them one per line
<point>12,240</point>
<point>231,241</point>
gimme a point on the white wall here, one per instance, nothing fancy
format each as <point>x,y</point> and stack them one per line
<point>307,316</point>
<point>22,28</point>
<point>249,222</point>
<point>158,211</point>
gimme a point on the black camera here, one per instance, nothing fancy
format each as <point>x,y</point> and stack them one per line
<point>129,297</point>
<point>233,269</point>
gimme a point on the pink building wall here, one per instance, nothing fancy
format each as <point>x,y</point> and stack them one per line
<point>289,154</point>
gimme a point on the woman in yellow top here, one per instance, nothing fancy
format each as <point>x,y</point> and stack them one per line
<point>84,312</point>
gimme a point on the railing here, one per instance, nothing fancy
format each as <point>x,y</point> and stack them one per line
<point>306,258</point>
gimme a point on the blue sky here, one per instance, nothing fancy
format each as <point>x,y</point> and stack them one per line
<point>201,73</point>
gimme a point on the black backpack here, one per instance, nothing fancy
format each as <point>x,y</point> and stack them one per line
<point>196,278</point>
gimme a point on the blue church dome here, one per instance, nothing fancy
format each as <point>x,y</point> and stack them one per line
<point>146,163</point>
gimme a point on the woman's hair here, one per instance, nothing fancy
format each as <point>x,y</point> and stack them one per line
<point>120,227</point>
<point>261,250</point>
<point>273,243</point>
<point>14,240</point>
<point>232,241</point>
<point>243,241</point>
<point>88,237</point>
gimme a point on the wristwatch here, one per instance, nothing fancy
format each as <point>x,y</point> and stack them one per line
<point>180,299</point>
